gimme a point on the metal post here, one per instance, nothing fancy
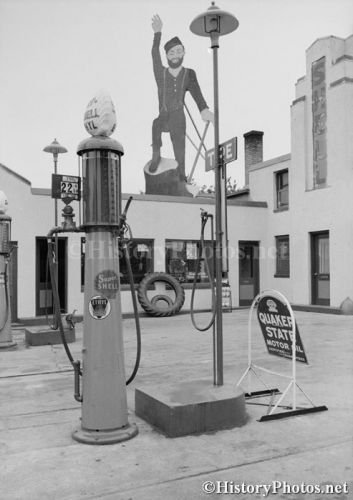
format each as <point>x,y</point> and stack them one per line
<point>214,337</point>
<point>218,350</point>
<point>56,263</point>
<point>215,23</point>
<point>55,149</point>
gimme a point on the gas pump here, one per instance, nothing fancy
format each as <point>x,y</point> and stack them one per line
<point>104,401</point>
<point>5,251</point>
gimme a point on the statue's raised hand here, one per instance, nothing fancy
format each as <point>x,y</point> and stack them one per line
<point>156,23</point>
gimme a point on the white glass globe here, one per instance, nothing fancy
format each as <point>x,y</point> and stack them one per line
<point>100,116</point>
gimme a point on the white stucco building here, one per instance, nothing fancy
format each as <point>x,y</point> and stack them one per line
<point>318,218</point>
<point>290,229</point>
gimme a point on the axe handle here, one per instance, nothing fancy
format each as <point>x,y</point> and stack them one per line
<point>198,152</point>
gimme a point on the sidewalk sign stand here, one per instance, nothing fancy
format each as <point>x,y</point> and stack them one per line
<point>292,348</point>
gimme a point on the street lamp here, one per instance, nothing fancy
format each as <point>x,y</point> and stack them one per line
<point>55,148</point>
<point>215,23</point>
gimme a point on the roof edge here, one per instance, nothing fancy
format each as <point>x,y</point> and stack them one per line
<point>15,174</point>
<point>328,37</point>
<point>268,163</point>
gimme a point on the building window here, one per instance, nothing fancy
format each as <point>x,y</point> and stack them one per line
<point>181,260</point>
<point>282,256</point>
<point>141,260</point>
<point>282,199</point>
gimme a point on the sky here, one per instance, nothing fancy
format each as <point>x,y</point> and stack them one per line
<point>56,54</point>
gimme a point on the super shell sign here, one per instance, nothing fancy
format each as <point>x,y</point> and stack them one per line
<point>100,116</point>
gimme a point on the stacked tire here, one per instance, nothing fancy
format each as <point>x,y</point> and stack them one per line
<point>150,305</point>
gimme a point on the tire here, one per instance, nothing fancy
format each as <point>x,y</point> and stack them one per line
<point>151,306</point>
<point>162,298</point>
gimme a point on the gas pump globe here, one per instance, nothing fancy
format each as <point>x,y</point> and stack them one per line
<point>5,307</point>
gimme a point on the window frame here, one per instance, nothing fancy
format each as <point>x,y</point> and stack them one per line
<point>149,242</point>
<point>279,190</point>
<point>282,270</point>
<point>202,282</point>
<point>124,285</point>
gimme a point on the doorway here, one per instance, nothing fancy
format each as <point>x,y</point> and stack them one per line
<point>44,297</point>
<point>249,282</point>
<point>320,268</point>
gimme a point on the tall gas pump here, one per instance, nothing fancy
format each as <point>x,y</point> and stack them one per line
<point>5,306</point>
<point>104,401</point>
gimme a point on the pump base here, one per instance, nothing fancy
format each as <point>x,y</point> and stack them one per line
<point>8,344</point>
<point>105,437</point>
<point>192,407</point>
<point>35,336</point>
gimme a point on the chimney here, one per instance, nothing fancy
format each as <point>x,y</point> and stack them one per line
<point>253,147</point>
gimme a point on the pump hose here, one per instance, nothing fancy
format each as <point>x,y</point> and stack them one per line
<point>6,299</point>
<point>56,299</point>
<point>52,326</point>
<point>210,278</point>
<point>136,313</point>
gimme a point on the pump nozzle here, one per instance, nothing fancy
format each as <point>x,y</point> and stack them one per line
<point>122,219</point>
<point>204,215</point>
<point>127,207</point>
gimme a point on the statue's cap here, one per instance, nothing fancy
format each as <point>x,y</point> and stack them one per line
<point>172,43</point>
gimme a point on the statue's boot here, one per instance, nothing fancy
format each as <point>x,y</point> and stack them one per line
<point>156,158</point>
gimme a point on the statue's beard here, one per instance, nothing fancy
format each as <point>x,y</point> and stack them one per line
<point>175,64</point>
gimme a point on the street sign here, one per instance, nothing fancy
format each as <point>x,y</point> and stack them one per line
<point>66,187</point>
<point>227,152</point>
<point>276,326</point>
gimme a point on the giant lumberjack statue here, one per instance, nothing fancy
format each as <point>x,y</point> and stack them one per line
<point>173,83</point>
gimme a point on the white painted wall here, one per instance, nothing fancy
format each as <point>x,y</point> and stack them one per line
<point>153,217</point>
<point>263,186</point>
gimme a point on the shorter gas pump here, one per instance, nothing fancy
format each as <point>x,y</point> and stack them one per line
<point>5,253</point>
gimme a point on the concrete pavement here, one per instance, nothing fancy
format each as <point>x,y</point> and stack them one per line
<point>40,460</point>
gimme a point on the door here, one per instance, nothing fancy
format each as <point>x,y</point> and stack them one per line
<point>44,297</point>
<point>249,282</point>
<point>320,268</point>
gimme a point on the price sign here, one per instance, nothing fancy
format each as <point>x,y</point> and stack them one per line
<point>66,187</point>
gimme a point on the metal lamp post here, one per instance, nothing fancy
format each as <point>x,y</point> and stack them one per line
<point>55,148</point>
<point>215,23</point>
